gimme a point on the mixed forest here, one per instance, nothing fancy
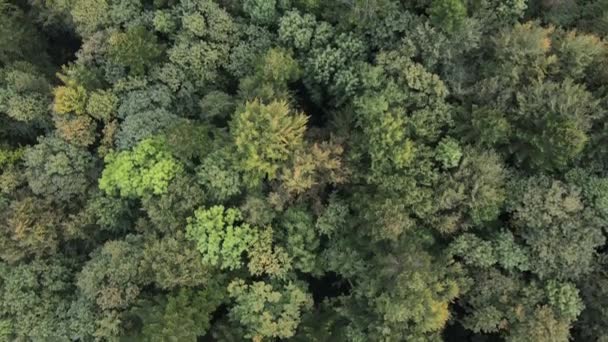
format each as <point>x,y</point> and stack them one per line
<point>304,170</point>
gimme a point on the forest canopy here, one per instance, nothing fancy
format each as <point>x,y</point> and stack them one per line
<point>304,170</point>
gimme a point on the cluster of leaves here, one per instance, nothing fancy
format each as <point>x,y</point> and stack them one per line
<point>365,170</point>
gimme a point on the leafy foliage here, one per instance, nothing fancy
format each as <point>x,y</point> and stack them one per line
<point>265,136</point>
<point>267,312</point>
<point>147,169</point>
<point>112,278</point>
<point>56,167</point>
<point>25,93</point>
<point>218,236</point>
<point>134,49</point>
<point>447,14</point>
<point>184,315</point>
<point>306,170</point>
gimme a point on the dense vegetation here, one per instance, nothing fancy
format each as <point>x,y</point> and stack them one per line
<point>304,170</point>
